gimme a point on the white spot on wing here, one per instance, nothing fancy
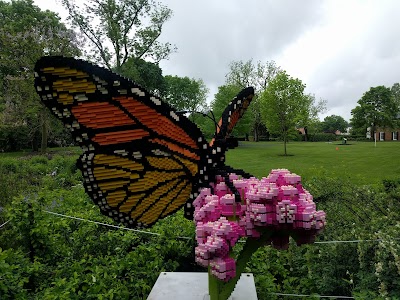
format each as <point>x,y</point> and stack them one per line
<point>155,100</point>
<point>121,152</point>
<point>81,97</point>
<point>137,155</point>
<point>138,92</point>
<point>160,153</point>
<point>174,115</point>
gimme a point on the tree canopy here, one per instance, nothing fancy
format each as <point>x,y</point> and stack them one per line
<point>121,29</point>
<point>376,108</point>
<point>184,93</point>
<point>333,123</point>
<point>282,105</point>
<point>145,73</point>
<point>26,34</point>
<point>395,90</point>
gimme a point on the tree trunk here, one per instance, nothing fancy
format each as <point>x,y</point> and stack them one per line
<point>44,132</point>
<point>284,143</point>
<point>256,133</point>
<point>305,134</point>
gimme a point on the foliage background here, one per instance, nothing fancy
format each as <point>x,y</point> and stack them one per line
<point>44,256</point>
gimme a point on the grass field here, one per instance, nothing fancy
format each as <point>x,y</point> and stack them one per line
<point>359,162</point>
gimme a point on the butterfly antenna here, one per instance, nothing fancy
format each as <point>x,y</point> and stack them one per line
<point>212,117</point>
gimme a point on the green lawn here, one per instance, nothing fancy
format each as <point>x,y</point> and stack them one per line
<point>360,162</point>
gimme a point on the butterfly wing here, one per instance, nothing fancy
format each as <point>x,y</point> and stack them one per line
<point>232,114</point>
<point>141,161</point>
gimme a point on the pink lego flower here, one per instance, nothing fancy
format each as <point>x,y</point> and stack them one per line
<point>277,202</point>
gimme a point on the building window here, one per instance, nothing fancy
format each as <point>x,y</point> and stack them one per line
<point>394,135</point>
<point>381,136</point>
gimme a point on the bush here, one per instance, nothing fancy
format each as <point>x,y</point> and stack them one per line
<point>391,184</point>
<point>14,274</point>
<point>49,257</point>
<point>14,138</point>
<point>324,137</point>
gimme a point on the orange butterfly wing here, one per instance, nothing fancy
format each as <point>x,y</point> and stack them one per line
<point>232,114</point>
<point>141,161</point>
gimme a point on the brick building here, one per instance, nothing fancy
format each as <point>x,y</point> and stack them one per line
<point>387,134</point>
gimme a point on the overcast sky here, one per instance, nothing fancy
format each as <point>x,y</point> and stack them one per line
<point>338,48</point>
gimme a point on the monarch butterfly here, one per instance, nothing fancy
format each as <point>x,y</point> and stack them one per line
<point>142,160</point>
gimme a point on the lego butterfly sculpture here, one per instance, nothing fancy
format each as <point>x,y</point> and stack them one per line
<point>142,160</point>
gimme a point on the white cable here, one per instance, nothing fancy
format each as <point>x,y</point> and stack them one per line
<point>110,225</point>
<point>4,224</point>
<point>313,296</point>
<point>351,241</point>
<point>189,238</point>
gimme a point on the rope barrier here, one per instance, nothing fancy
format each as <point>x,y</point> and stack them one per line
<point>110,225</point>
<point>4,224</point>
<point>313,296</point>
<point>189,238</point>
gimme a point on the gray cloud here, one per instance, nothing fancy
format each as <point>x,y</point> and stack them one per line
<point>210,34</point>
<point>372,59</point>
<point>307,38</point>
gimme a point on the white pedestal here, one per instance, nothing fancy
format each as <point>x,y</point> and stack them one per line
<point>194,286</point>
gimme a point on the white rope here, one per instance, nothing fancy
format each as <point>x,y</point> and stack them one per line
<point>313,296</point>
<point>4,224</point>
<point>110,225</point>
<point>185,237</point>
<point>351,241</point>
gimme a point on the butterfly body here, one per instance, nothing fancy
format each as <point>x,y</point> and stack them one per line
<point>141,160</point>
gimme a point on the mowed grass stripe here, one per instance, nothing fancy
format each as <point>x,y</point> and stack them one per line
<point>359,162</point>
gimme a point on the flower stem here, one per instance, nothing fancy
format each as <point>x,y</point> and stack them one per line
<point>220,290</point>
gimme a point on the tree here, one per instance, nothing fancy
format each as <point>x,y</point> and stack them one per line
<point>308,114</point>
<point>147,74</point>
<point>376,108</point>
<point>185,94</point>
<point>282,105</point>
<point>395,91</point>
<point>131,27</point>
<point>26,34</point>
<point>333,123</point>
<point>244,74</point>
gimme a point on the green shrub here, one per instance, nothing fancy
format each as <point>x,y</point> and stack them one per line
<point>14,274</point>
<point>46,256</point>
<point>14,138</point>
<point>324,137</point>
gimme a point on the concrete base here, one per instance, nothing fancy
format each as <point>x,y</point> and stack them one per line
<point>194,286</point>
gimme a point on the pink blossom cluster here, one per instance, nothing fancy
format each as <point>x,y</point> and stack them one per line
<point>277,202</point>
